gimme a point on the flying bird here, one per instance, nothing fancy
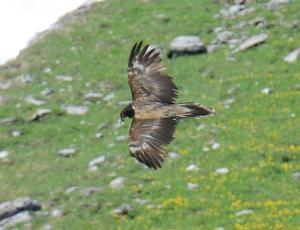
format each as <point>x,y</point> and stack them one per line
<point>153,108</point>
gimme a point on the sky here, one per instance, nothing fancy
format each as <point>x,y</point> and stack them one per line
<point>20,20</point>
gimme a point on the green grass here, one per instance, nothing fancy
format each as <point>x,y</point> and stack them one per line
<point>259,139</point>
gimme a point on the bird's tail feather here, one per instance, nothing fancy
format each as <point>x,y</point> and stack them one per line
<point>192,109</point>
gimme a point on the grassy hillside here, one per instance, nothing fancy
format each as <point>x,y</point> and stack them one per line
<point>255,135</point>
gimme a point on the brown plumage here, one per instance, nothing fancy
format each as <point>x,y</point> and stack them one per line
<point>153,107</point>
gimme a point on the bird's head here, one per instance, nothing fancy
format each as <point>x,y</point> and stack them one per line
<point>126,112</point>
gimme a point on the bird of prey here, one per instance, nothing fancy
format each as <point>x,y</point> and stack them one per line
<point>153,109</point>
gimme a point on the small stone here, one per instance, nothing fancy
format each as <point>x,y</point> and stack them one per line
<point>192,167</point>
<point>182,45</point>
<point>11,208</point>
<point>12,221</point>
<point>293,56</point>
<point>222,170</point>
<point>47,227</point>
<point>296,175</point>
<point>228,102</point>
<point>191,186</point>
<point>71,189</point>
<point>266,90</point>
<point>252,41</point>
<point>93,96</point>
<point>102,126</point>
<point>224,36</point>
<point>90,190</point>
<point>31,100</point>
<point>47,92</point>
<point>97,161</point>
<point>99,135</point>
<point>47,70</point>
<point>275,4</point>
<point>244,212</point>
<point>162,17</point>
<point>8,120</point>
<point>5,84</point>
<point>76,110</point>
<point>117,183</point>
<point>16,133</point>
<point>56,213</point>
<point>121,138</point>
<point>174,155</point>
<point>215,146</point>
<point>3,154</point>
<point>64,78</point>
<point>109,97</point>
<point>141,202</point>
<point>67,152</point>
<point>39,114</point>
<point>25,79</point>
<point>124,209</point>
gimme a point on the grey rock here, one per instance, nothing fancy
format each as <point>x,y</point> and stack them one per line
<point>92,96</point>
<point>174,155</point>
<point>141,201</point>
<point>109,97</point>
<point>266,90</point>
<point>162,17</point>
<point>235,9</point>
<point>259,22</point>
<point>275,4</point>
<point>252,41</point>
<point>102,126</point>
<point>296,175</point>
<point>47,227</point>
<point>47,70</point>
<point>72,189</point>
<point>97,161</point>
<point>6,84</point>
<point>39,113</point>
<point>31,100</point>
<point>3,154</point>
<point>182,45</point>
<point>64,78</point>
<point>8,120</point>
<point>121,138</point>
<point>191,186</point>
<point>10,208</point>
<point>228,102</point>
<point>47,92</point>
<point>124,209</point>
<point>192,167</point>
<point>12,221</point>
<point>244,212</point>
<point>224,36</point>
<point>99,135</point>
<point>56,213</point>
<point>25,79</point>
<point>292,56</point>
<point>90,190</point>
<point>67,152</point>
<point>117,183</point>
<point>246,11</point>
<point>215,146</point>
<point>222,170</point>
<point>212,47</point>
<point>76,110</point>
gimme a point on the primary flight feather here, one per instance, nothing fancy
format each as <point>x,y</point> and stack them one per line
<point>153,109</point>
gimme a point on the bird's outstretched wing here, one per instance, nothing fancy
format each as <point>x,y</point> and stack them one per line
<point>147,79</point>
<point>147,137</point>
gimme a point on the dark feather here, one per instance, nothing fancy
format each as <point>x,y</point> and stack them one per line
<point>147,79</point>
<point>147,138</point>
